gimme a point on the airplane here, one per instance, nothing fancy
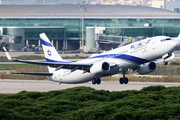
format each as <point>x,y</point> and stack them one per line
<point>138,56</point>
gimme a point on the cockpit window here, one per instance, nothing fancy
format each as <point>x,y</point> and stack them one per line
<point>168,38</point>
<point>165,39</point>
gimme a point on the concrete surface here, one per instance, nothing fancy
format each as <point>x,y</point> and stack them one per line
<point>15,86</point>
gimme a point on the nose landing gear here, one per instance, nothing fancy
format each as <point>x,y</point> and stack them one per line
<point>165,63</point>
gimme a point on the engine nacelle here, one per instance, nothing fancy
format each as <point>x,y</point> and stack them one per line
<point>147,68</point>
<point>100,67</point>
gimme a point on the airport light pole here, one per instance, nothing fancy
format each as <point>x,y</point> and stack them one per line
<point>164,4</point>
<point>81,6</point>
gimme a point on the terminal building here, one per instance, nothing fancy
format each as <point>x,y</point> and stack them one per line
<point>62,23</point>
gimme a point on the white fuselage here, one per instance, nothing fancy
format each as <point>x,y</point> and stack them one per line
<point>125,57</point>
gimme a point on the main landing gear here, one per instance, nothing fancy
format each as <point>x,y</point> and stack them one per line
<point>96,81</point>
<point>124,79</point>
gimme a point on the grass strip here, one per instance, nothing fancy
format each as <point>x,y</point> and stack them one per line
<point>15,66</point>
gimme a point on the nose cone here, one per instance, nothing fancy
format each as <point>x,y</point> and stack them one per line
<point>178,41</point>
<point>173,44</point>
<point>176,44</point>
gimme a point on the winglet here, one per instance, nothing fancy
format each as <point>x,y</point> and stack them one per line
<point>7,54</point>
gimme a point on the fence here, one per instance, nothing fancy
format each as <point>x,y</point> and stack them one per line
<point>166,71</point>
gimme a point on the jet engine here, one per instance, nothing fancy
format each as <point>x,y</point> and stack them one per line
<point>100,67</point>
<point>147,68</point>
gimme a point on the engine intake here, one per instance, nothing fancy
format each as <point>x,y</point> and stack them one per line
<point>147,68</point>
<point>100,67</point>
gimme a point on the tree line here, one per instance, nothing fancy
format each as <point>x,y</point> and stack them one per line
<point>85,103</point>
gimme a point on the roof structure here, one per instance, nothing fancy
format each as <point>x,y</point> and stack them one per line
<point>93,11</point>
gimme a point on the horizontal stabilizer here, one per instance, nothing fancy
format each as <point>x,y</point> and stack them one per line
<point>42,74</point>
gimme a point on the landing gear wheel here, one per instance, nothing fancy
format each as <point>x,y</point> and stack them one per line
<point>121,80</point>
<point>126,80</point>
<point>98,81</point>
<point>94,81</point>
<point>166,63</point>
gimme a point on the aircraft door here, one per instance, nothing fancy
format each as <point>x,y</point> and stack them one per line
<point>61,72</point>
<point>167,44</point>
<point>153,45</point>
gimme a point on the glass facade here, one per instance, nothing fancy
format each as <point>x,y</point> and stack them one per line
<point>72,28</point>
<point>111,38</point>
<point>52,33</point>
<point>169,27</point>
<point>133,32</point>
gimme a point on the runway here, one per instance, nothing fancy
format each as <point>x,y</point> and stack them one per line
<point>14,86</point>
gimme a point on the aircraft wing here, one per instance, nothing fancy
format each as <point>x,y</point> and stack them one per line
<point>59,65</point>
<point>42,74</point>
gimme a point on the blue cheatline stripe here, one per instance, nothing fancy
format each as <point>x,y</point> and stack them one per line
<point>46,43</point>
<point>124,57</point>
<point>101,56</point>
<point>49,60</point>
<point>132,58</point>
